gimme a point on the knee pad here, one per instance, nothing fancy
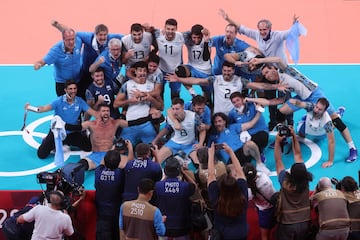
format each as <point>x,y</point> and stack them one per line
<point>339,124</point>
<point>280,117</point>
<point>84,163</point>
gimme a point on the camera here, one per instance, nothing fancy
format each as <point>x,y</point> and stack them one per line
<point>283,130</point>
<point>336,183</point>
<point>120,144</point>
<point>68,179</point>
<point>181,157</point>
<point>219,146</point>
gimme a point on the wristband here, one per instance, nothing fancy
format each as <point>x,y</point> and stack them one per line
<point>32,108</point>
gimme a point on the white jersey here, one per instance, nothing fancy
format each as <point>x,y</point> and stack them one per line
<point>141,50</point>
<point>265,187</point>
<point>170,52</point>
<point>156,77</point>
<point>297,82</point>
<point>195,57</point>
<point>141,109</point>
<point>186,135</point>
<point>223,90</point>
<point>317,127</point>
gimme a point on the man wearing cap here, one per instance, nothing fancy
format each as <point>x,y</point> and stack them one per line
<point>141,167</point>
<point>293,213</point>
<point>172,192</point>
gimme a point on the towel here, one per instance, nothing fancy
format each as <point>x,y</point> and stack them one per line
<point>58,129</point>
<point>292,41</point>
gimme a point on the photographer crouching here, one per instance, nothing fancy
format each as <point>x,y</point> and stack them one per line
<point>350,189</point>
<point>334,223</point>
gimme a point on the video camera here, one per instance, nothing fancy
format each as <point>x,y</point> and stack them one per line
<point>68,179</point>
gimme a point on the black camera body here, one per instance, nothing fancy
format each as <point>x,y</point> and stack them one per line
<point>120,144</point>
<point>284,130</point>
<point>336,183</point>
<point>68,179</point>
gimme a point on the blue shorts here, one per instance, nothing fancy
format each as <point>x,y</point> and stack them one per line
<point>175,87</point>
<point>175,147</point>
<point>267,218</point>
<point>140,133</point>
<point>198,74</point>
<point>96,157</point>
<point>313,98</point>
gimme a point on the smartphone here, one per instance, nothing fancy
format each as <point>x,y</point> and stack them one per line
<point>219,146</point>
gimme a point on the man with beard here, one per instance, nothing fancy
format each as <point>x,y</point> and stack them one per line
<point>136,45</point>
<point>306,90</point>
<point>94,44</point>
<point>170,43</point>
<point>224,85</point>
<point>68,107</point>
<point>136,95</point>
<point>110,60</point>
<point>101,91</point>
<point>184,138</point>
<point>102,134</point>
<point>317,122</point>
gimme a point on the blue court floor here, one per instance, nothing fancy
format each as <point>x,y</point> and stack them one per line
<point>21,84</point>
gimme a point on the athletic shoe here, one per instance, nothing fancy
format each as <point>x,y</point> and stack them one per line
<point>352,156</point>
<point>341,111</point>
<point>263,158</point>
<point>260,167</point>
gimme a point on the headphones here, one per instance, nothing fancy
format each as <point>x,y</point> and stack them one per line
<point>59,194</point>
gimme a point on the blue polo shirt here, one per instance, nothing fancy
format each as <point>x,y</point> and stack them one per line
<point>230,136</point>
<point>222,48</point>
<point>67,65</point>
<point>112,67</point>
<point>69,113</point>
<point>205,117</point>
<point>246,116</point>
<point>89,53</point>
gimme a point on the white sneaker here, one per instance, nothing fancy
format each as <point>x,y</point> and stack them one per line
<point>260,167</point>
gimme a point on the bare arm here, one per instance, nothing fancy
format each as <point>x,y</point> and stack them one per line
<point>39,109</point>
<point>251,123</point>
<point>331,150</point>
<point>296,148</point>
<point>59,26</point>
<point>235,163</point>
<point>227,18</point>
<point>298,103</point>
<point>266,86</point>
<point>121,101</point>
<point>265,102</point>
<point>277,154</point>
<point>211,165</point>
<point>188,80</point>
<point>162,133</point>
<point>38,64</point>
<point>279,62</point>
<point>96,64</point>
